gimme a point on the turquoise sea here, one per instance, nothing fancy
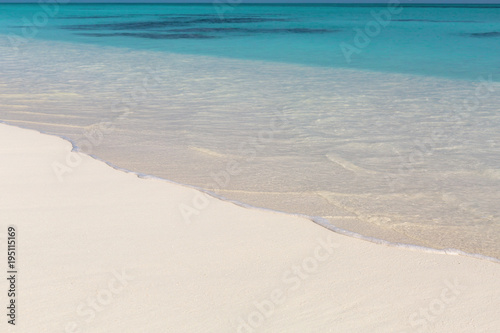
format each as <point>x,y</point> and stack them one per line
<point>447,41</point>
<point>383,120</point>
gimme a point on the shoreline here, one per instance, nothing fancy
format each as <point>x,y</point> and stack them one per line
<point>236,269</point>
<point>315,219</point>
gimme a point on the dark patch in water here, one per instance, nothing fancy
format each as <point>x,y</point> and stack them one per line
<point>249,30</point>
<point>126,26</point>
<point>101,17</point>
<point>433,21</point>
<point>210,30</point>
<point>482,34</point>
<point>178,21</point>
<point>176,16</point>
<point>148,35</point>
<point>236,20</point>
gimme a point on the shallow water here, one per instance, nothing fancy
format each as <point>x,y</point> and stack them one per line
<point>406,158</point>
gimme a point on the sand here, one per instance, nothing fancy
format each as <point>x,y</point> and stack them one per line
<point>104,250</point>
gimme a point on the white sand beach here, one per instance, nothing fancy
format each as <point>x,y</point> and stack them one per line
<point>104,250</point>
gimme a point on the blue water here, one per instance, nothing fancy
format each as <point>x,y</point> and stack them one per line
<point>445,41</point>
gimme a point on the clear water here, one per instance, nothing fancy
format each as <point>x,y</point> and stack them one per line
<point>458,42</point>
<point>260,105</point>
